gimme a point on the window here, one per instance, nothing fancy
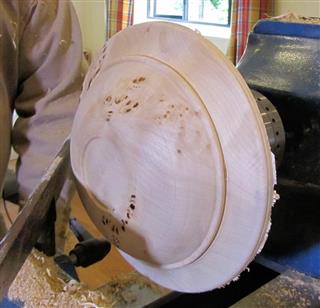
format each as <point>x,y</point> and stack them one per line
<point>214,12</point>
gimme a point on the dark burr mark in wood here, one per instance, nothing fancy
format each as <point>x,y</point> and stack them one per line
<point>105,220</point>
<point>138,80</point>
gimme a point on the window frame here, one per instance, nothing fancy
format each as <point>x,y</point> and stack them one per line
<point>184,18</point>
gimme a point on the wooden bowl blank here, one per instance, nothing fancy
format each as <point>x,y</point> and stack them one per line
<point>171,157</point>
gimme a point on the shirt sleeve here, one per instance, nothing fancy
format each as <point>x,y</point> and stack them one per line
<point>50,53</point>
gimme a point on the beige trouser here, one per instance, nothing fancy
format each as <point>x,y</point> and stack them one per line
<point>40,78</point>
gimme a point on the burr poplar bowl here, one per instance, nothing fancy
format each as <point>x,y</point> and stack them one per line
<point>171,157</point>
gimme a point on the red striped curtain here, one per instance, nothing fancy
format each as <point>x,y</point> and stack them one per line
<point>119,15</point>
<point>245,13</point>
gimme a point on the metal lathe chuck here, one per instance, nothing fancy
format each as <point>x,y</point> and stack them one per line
<point>273,124</point>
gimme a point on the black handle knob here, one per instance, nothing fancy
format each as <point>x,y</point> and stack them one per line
<point>89,252</point>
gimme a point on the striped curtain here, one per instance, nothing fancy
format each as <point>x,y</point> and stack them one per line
<point>119,15</point>
<point>245,13</point>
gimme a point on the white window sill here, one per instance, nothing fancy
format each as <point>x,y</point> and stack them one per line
<point>218,35</point>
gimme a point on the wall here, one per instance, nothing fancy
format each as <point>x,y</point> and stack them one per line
<point>91,14</point>
<point>309,8</point>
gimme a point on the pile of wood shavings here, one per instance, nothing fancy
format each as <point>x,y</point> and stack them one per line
<point>121,288</point>
<point>293,17</point>
<point>38,285</point>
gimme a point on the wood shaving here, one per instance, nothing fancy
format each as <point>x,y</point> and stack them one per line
<point>121,288</point>
<point>293,17</point>
<point>38,285</point>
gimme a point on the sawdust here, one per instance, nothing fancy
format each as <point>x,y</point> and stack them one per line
<point>290,289</point>
<point>293,17</point>
<point>121,288</point>
<point>38,285</point>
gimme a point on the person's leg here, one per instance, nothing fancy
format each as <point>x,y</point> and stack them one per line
<point>5,129</point>
<point>3,227</point>
<point>4,159</point>
<point>50,53</point>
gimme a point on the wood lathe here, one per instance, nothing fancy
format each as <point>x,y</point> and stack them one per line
<point>281,66</point>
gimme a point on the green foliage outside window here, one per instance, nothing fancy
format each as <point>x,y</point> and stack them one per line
<point>216,3</point>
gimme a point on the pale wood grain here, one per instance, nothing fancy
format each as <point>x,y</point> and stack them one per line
<point>172,158</point>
